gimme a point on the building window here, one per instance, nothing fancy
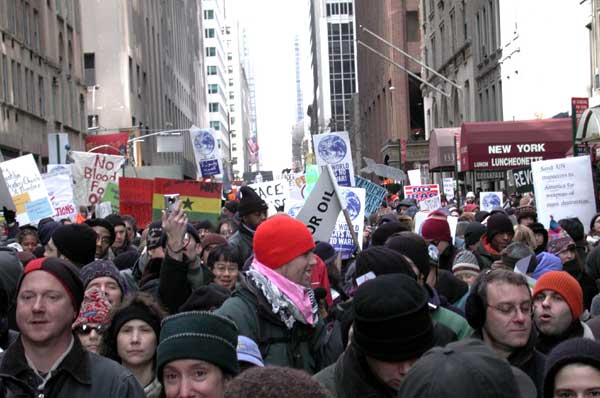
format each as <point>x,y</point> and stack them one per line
<point>130,74</point>
<point>92,121</point>
<point>464,18</point>
<point>412,26</point>
<point>230,82</point>
<point>452,31</point>
<point>42,96</point>
<point>89,65</point>
<point>229,56</point>
<point>231,95</point>
<point>5,77</point>
<point>213,107</point>
<point>211,51</point>
<point>209,14</point>
<point>230,69</point>
<point>211,70</point>
<point>213,88</point>
<point>215,125</point>
<point>209,33</point>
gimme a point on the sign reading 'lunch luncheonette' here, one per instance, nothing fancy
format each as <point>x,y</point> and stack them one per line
<point>512,155</point>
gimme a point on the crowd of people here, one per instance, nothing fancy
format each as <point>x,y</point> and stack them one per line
<point>501,305</point>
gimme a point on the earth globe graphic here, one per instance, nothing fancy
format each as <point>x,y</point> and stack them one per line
<point>294,210</point>
<point>490,201</point>
<point>205,143</point>
<point>332,149</point>
<point>352,204</point>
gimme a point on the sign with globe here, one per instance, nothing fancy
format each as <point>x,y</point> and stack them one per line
<point>489,200</point>
<point>341,238</point>
<point>334,149</point>
<point>204,143</point>
<point>206,152</point>
<point>352,203</point>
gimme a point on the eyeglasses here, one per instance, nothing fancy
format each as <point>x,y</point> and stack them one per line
<point>511,310</point>
<point>87,329</point>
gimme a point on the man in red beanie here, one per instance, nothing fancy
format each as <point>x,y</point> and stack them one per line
<point>436,231</point>
<point>558,302</point>
<point>275,305</point>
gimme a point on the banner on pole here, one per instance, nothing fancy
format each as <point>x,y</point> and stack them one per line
<point>206,152</point>
<point>334,149</point>
<point>60,191</point>
<point>135,199</point>
<point>91,173</point>
<point>375,194</point>
<point>341,238</point>
<point>27,190</point>
<point>116,144</point>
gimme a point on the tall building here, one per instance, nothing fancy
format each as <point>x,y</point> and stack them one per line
<point>333,63</point>
<point>247,64</point>
<point>143,64</point>
<point>298,130</point>
<point>41,76</point>
<point>390,105</point>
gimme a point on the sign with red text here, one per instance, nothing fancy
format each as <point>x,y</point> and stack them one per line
<point>421,192</point>
<point>91,173</point>
<point>580,104</point>
<point>60,190</point>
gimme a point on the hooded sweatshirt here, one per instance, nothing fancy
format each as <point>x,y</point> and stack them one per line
<point>546,262</point>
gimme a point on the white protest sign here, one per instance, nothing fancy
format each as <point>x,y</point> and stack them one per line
<point>563,189</point>
<point>322,207</point>
<point>206,152</point>
<point>91,173</point>
<point>414,177</point>
<point>273,192</point>
<point>432,203</point>
<point>489,200</point>
<point>334,149</point>
<point>448,184</point>
<point>103,209</point>
<point>60,190</point>
<point>383,170</point>
<point>341,238</point>
<point>27,189</point>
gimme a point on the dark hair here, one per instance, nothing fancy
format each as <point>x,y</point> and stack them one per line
<point>574,228</point>
<point>229,222</point>
<point>130,220</point>
<point>593,221</point>
<point>223,253</point>
<point>26,232</point>
<point>108,348</point>
<point>497,276</point>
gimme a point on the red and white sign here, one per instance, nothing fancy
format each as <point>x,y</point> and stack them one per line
<point>580,104</point>
<point>421,192</point>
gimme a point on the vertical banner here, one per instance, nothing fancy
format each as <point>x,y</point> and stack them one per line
<point>563,189</point>
<point>91,173</point>
<point>27,189</point>
<point>206,152</point>
<point>341,238</point>
<point>135,199</point>
<point>489,200</point>
<point>201,200</point>
<point>334,149</point>
<point>60,190</point>
<point>375,194</point>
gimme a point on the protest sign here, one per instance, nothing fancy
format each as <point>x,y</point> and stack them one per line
<point>375,194</point>
<point>91,173</point>
<point>297,186</point>
<point>448,184</point>
<point>523,179</point>
<point>421,192</point>
<point>384,170</point>
<point>564,189</point>
<point>135,199</point>
<point>60,191</point>
<point>414,177</point>
<point>27,190</point>
<point>341,238</point>
<point>432,203</point>
<point>274,193</point>
<point>103,209</point>
<point>200,200</point>
<point>321,209</point>
<point>489,200</point>
<point>334,149</point>
<point>111,194</point>
<point>206,151</point>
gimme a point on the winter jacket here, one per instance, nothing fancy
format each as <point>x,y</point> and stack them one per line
<point>351,377</point>
<point>154,389</point>
<point>485,254</point>
<point>80,374</point>
<point>302,347</point>
<point>446,258</point>
<point>545,344</point>
<point>319,279</point>
<point>546,262</point>
<point>444,313</point>
<point>242,242</point>
<point>587,283</point>
<point>592,264</point>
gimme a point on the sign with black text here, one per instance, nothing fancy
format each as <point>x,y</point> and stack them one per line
<point>523,179</point>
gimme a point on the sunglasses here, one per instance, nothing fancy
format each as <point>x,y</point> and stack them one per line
<point>87,329</point>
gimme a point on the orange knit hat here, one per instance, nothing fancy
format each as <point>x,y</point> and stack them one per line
<point>565,285</point>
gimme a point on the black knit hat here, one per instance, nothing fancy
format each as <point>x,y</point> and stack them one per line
<point>384,231</point>
<point>412,246</point>
<point>77,242</point>
<point>198,335</point>
<point>115,220</point>
<point>135,310</point>
<point>101,222</point>
<point>577,350</point>
<point>380,261</point>
<point>46,228</point>
<point>206,298</point>
<point>474,232</point>
<point>497,224</point>
<point>250,202</point>
<point>326,252</point>
<point>391,319</point>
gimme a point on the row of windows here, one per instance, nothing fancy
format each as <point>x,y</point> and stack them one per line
<point>339,9</point>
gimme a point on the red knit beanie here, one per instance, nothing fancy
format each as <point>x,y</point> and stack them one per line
<point>280,239</point>
<point>565,285</point>
<point>436,227</point>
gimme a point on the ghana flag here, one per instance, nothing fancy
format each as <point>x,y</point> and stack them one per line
<point>201,200</point>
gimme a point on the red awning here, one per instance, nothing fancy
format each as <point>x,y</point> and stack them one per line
<point>441,149</point>
<point>509,145</point>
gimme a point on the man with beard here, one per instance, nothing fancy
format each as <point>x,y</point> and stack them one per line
<point>252,211</point>
<point>500,233</point>
<point>558,304</point>
<point>499,309</point>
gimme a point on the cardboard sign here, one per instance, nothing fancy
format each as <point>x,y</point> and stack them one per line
<point>321,209</point>
<point>60,190</point>
<point>523,179</point>
<point>432,203</point>
<point>489,200</point>
<point>135,199</point>
<point>91,173</point>
<point>206,151</point>
<point>448,184</point>
<point>273,192</point>
<point>421,192</point>
<point>341,238</point>
<point>563,189</point>
<point>27,190</point>
<point>103,209</point>
<point>334,149</point>
<point>375,194</point>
